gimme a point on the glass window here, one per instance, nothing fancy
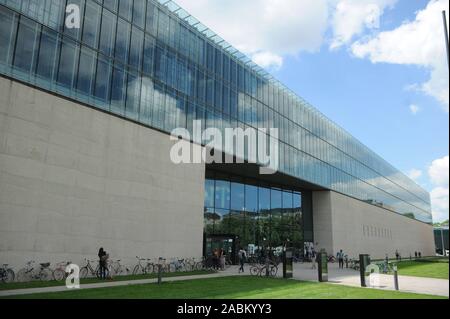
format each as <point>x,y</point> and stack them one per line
<point>133,95</point>
<point>287,199</point>
<point>103,79</point>
<point>125,9</point>
<point>122,40</point>
<point>118,90</point>
<point>146,107</point>
<point>8,25</point>
<point>139,13</point>
<point>152,18</point>
<point>148,55</point>
<point>275,198</point>
<point>86,71</point>
<point>91,24</point>
<point>222,199</point>
<point>110,4</point>
<point>264,198</point>
<point>67,63</point>
<point>26,45</point>
<point>108,30</point>
<point>251,198</point>
<point>137,42</point>
<point>237,196</point>
<point>209,193</point>
<point>47,64</point>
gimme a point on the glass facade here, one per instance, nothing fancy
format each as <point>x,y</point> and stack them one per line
<point>153,63</point>
<point>259,214</point>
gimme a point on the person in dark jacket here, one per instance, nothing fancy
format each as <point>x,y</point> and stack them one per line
<point>102,262</point>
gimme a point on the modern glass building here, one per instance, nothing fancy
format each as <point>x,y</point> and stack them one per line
<point>152,63</point>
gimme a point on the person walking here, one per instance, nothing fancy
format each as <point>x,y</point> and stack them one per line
<point>397,255</point>
<point>340,257</point>
<point>242,257</point>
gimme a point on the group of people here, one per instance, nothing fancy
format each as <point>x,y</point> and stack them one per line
<point>218,258</point>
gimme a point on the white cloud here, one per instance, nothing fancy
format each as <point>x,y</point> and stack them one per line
<point>352,17</point>
<point>419,42</point>
<point>438,173</point>
<point>414,174</point>
<point>268,60</point>
<point>439,203</point>
<point>414,109</point>
<point>273,27</point>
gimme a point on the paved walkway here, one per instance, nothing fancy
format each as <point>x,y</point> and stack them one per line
<point>303,272</point>
<point>350,277</point>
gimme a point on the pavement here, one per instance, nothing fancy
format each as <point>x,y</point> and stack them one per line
<point>302,271</point>
<point>350,277</point>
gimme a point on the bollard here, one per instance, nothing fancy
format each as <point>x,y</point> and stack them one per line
<point>395,277</point>
<point>159,274</point>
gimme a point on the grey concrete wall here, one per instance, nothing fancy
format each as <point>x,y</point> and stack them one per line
<point>341,222</point>
<point>73,179</point>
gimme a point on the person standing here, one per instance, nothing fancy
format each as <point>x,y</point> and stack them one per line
<point>340,256</point>
<point>102,256</point>
<point>242,257</point>
<point>313,258</point>
<point>397,255</point>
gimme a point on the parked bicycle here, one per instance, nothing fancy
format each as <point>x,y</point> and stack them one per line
<point>117,269</point>
<point>59,273</point>
<point>177,265</point>
<point>31,272</point>
<point>143,268</point>
<point>88,270</point>
<point>262,269</point>
<point>6,274</point>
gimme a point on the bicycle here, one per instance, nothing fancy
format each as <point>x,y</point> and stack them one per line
<point>141,269</point>
<point>30,272</point>
<point>60,271</point>
<point>88,269</point>
<point>6,274</point>
<point>177,265</point>
<point>261,269</point>
<point>117,269</point>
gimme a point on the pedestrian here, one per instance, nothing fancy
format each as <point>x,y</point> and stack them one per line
<point>313,259</point>
<point>222,259</point>
<point>397,255</point>
<point>340,257</point>
<point>420,254</point>
<point>103,257</point>
<point>242,254</point>
<point>415,254</point>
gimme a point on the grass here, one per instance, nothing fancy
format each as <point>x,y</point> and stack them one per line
<point>435,268</point>
<point>230,288</point>
<point>40,284</point>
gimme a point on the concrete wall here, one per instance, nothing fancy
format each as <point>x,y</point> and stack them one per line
<point>73,179</point>
<point>341,222</point>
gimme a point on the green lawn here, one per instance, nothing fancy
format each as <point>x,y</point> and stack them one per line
<point>231,288</point>
<point>39,284</point>
<point>436,268</point>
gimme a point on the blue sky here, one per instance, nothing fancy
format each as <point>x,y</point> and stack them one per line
<point>375,67</point>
